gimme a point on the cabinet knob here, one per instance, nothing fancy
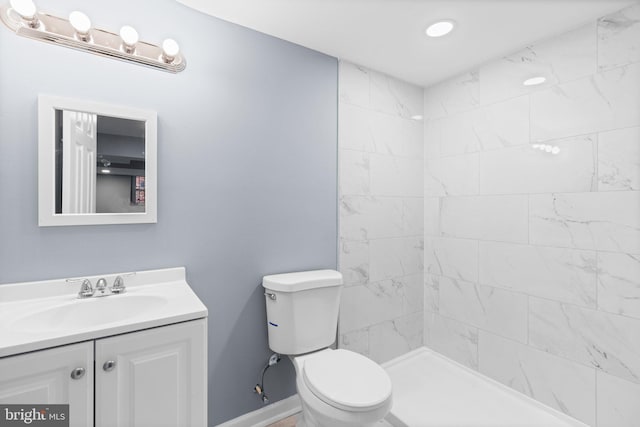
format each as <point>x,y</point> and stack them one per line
<point>77,373</point>
<point>109,365</point>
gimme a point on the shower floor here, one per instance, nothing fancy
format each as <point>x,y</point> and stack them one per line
<point>430,390</point>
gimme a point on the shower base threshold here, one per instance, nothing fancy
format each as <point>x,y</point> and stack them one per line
<point>430,390</point>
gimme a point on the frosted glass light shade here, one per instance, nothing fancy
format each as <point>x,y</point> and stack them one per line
<point>170,50</point>
<point>25,8</point>
<point>170,47</point>
<point>80,22</point>
<point>129,35</point>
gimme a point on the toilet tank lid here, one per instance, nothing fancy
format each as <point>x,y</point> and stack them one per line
<point>302,280</point>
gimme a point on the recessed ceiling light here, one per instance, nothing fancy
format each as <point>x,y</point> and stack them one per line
<point>533,81</point>
<point>440,28</point>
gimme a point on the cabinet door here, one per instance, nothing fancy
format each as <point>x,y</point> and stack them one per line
<point>44,377</point>
<point>153,378</point>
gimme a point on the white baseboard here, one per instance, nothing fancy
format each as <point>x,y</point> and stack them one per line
<point>267,415</point>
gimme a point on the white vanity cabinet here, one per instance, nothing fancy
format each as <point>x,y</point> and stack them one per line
<point>45,377</point>
<point>151,378</point>
<point>136,358</point>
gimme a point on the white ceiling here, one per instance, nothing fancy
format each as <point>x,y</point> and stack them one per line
<point>388,35</point>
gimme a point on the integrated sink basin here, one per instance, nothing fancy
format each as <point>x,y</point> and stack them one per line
<point>37,315</point>
<point>90,312</point>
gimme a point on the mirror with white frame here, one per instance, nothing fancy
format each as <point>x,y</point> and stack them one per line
<point>96,163</point>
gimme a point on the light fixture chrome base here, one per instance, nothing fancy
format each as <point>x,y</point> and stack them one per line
<point>52,29</point>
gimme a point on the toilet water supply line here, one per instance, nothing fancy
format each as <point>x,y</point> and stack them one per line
<point>259,388</point>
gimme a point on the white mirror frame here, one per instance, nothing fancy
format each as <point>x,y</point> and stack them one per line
<point>47,106</point>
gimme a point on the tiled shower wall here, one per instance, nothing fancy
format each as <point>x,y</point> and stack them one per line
<point>381,213</point>
<point>532,258</point>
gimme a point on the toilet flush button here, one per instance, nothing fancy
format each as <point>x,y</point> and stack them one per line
<point>347,380</point>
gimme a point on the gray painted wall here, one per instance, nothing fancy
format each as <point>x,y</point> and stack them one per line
<point>247,172</point>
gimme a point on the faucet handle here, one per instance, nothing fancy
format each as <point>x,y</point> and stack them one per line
<point>86,290</point>
<point>118,285</point>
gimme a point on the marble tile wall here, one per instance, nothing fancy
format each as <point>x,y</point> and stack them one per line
<point>381,214</point>
<point>532,259</point>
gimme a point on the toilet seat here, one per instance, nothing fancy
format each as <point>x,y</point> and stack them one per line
<point>347,380</point>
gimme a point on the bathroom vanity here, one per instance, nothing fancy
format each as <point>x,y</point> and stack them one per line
<point>133,358</point>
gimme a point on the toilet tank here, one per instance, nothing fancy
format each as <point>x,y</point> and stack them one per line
<point>302,310</point>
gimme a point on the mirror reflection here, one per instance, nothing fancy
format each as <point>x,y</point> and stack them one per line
<point>99,163</point>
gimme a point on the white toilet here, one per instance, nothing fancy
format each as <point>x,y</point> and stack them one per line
<point>338,388</point>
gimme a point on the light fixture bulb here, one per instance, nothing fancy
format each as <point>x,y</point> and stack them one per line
<point>170,50</point>
<point>25,8</point>
<point>533,81</point>
<point>80,22</point>
<point>105,171</point>
<point>555,150</point>
<point>129,37</point>
<point>440,28</point>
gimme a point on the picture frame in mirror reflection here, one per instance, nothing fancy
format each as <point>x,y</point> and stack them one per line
<point>97,163</point>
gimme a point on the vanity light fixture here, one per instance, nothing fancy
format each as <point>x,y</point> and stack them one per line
<point>534,81</point>
<point>105,171</point>
<point>22,17</point>
<point>440,28</point>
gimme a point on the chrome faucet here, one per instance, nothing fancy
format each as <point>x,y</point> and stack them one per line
<point>101,286</point>
<point>101,289</point>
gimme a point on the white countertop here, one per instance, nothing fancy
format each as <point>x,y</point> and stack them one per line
<point>152,298</point>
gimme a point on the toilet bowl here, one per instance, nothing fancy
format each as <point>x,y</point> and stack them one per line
<point>340,388</point>
<point>337,388</point>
